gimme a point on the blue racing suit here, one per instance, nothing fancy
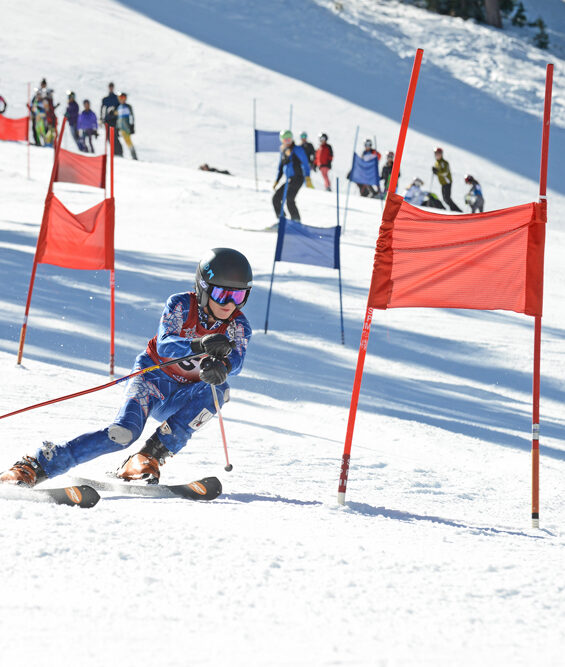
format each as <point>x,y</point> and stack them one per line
<point>173,395</point>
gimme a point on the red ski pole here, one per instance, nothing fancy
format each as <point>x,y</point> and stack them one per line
<point>228,467</point>
<point>102,386</point>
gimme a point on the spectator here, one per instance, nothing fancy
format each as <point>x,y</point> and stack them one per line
<point>474,198</point>
<point>71,114</point>
<point>414,194</point>
<point>417,197</point>
<point>323,159</point>
<point>109,116</point>
<point>126,122</point>
<point>294,163</point>
<point>308,149</point>
<point>50,121</point>
<point>387,171</point>
<point>88,126</point>
<point>368,154</point>
<point>443,173</point>
<point>38,118</point>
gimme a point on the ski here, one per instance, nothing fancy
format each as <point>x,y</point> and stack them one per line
<point>75,496</point>
<point>207,488</point>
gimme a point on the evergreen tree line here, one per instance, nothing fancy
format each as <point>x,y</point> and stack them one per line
<point>490,11</point>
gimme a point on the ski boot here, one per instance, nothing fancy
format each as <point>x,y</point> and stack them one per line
<point>145,465</point>
<point>26,472</point>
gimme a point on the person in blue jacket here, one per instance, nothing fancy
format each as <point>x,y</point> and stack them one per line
<point>295,165</point>
<point>88,127</point>
<point>71,114</point>
<point>206,323</point>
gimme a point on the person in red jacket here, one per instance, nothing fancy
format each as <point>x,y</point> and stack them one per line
<point>323,159</point>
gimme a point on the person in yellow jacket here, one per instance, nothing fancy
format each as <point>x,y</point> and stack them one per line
<point>443,172</point>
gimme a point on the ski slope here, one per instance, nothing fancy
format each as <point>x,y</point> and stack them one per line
<point>433,560</point>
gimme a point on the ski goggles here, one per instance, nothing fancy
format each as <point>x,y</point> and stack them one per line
<point>222,296</point>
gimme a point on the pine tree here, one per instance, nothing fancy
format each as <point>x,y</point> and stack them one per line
<point>507,6</point>
<point>541,38</point>
<point>519,17</point>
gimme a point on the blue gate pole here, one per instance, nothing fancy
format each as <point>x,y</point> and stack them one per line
<point>281,217</point>
<point>339,266</point>
<point>254,145</point>
<point>349,182</point>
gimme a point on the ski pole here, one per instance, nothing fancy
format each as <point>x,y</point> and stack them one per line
<point>228,467</point>
<point>102,386</point>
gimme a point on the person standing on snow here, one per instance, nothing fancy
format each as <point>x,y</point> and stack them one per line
<point>369,153</point>
<point>71,114</point>
<point>88,127</point>
<point>109,117</point>
<point>474,198</point>
<point>126,122</point>
<point>296,168</point>
<point>387,171</point>
<point>324,158</point>
<point>308,149</point>
<point>207,322</point>
<point>443,173</point>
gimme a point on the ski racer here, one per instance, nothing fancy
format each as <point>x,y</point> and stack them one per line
<point>207,322</point>
<point>295,166</point>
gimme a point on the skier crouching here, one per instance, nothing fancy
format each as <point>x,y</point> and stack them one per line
<point>207,322</point>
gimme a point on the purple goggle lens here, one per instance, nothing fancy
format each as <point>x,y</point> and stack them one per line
<point>222,296</point>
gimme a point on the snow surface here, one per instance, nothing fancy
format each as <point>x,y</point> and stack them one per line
<point>433,560</point>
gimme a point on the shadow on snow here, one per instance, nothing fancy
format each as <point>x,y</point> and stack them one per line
<point>296,366</point>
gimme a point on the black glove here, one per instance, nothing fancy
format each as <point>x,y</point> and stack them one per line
<point>96,134</point>
<point>434,169</point>
<point>216,345</point>
<point>214,371</point>
<point>132,129</point>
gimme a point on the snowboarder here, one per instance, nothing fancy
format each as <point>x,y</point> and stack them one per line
<point>474,198</point>
<point>295,166</point>
<point>308,149</point>
<point>126,122</point>
<point>71,114</point>
<point>207,322</point>
<point>443,173</point>
<point>324,158</point>
<point>88,127</point>
<point>109,116</point>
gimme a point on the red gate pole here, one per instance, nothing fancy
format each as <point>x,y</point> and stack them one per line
<point>537,324</point>
<point>369,313</point>
<point>112,273</point>
<point>34,268</point>
<point>28,127</point>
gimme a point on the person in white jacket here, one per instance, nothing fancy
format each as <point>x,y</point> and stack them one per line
<point>414,194</point>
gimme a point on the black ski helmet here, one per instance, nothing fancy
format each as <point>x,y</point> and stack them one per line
<point>222,267</point>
